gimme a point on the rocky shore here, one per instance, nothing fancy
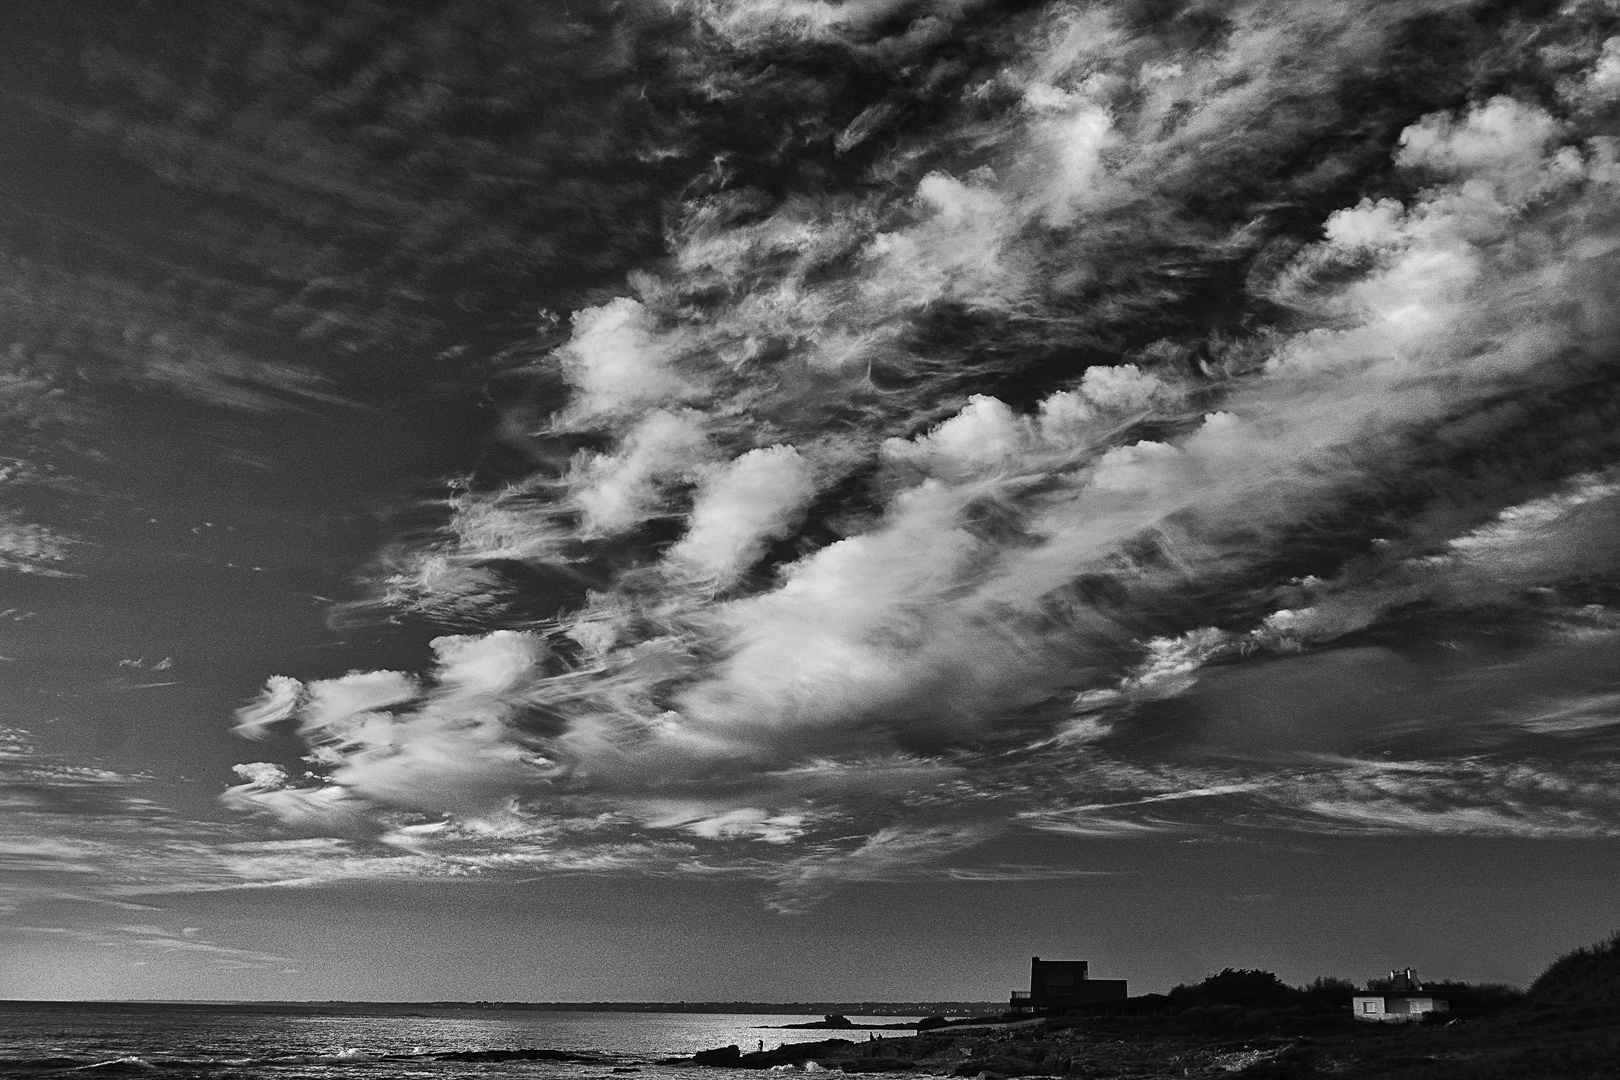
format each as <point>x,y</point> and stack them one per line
<point>1578,1043</point>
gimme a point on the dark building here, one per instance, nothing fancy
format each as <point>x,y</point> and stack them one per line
<point>1059,985</point>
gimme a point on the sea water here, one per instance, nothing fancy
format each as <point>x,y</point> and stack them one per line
<point>107,1041</point>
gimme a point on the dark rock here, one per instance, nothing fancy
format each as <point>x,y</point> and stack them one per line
<point>877,1065</point>
<point>1002,1066</point>
<point>929,1023</point>
<point>724,1055</point>
<point>790,1054</point>
<point>1292,1062</point>
<point>831,1020</point>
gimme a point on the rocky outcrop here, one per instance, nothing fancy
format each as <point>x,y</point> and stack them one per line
<point>1006,1066</point>
<point>790,1054</point>
<point>833,1020</point>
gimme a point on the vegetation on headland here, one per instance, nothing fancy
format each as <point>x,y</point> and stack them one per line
<point>1263,1000</point>
<point>1585,976</point>
<point>1250,1024</point>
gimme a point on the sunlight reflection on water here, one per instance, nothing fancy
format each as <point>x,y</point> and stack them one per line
<point>186,1043</point>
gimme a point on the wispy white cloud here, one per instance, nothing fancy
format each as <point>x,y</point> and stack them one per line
<point>832,505</point>
<point>1585,713</point>
<point>450,749</point>
<point>757,498</point>
<point>892,853</point>
<point>156,941</point>
<point>621,364</point>
<point>746,21</point>
<point>29,548</point>
<point>617,492</point>
<point>1466,797</point>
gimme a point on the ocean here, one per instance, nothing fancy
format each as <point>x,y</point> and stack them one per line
<point>181,1042</point>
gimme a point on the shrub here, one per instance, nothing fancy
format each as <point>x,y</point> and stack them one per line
<point>1234,986</point>
<point>1473,999</point>
<point>1584,976</point>
<point>1326,994</point>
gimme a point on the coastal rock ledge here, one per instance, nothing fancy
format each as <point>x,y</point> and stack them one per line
<point>732,1056</point>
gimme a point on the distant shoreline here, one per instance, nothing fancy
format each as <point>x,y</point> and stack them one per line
<point>394,1008</point>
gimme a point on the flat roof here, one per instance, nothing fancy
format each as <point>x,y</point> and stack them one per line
<point>1396,993</point>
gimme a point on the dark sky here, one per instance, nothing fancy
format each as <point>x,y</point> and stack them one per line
<point>788,499</point>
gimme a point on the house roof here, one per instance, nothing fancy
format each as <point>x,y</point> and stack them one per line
<point>1396,993</point>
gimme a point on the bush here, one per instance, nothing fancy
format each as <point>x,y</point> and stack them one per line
<point>1326,994</point>
<point>1585,976</point>
<point>1232,1018</point>
<point>1475,999</point>
<point>1233,986</point>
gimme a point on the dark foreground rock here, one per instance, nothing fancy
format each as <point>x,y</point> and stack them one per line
<point>1567,1027</point>
<point>877,1065</point>
<point>731,1057</point>
<point>1523,1044</point>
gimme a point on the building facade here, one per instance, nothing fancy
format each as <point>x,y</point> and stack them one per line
<point>1059,985</point>
<point>1403,1002</point>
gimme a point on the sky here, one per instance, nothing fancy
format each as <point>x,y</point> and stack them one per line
<point>804,500</point>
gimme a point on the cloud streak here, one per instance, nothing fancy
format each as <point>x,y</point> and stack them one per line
<point>1143,356</point>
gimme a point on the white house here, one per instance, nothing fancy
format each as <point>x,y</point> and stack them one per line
<point>1403,1002</point>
